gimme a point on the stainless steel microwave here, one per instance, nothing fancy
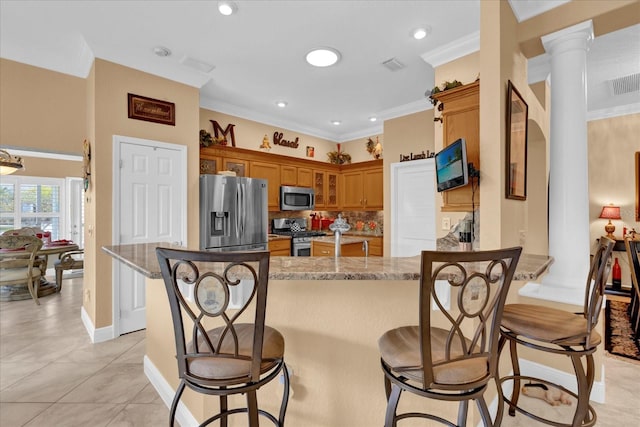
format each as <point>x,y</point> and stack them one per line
<point>296,198</point>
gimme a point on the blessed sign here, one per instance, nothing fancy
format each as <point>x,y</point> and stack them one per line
<point>277,139</point>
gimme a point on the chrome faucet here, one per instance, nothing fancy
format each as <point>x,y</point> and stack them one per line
<point>337,235</point>
<point>365,248</point>
<point>339,226</point>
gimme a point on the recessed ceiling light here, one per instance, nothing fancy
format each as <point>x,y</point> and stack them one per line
<point>373,119</point>
<point>227,8</point>
<point>161,51</point>
<point>336,122</point>
<point>323,57</point>
<point>281,104</point>
<point>420,33</point>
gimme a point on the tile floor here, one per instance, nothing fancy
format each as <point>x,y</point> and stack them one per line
<point>51,374</point>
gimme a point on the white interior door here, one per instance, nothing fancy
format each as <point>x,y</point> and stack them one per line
<point>75,220</point>
<point>413,207</point>
<point>152,197</point>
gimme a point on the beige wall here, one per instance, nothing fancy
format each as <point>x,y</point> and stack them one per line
<point>249,135</point>
<point>404,135</point>
<point>504,222</point>
<point>357,148</point>
<point>50,168</point>
<point>110,83</point>
<point>612,146</point>
<point>41,109</point>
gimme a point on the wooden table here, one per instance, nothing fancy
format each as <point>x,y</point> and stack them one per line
<point>21,292</point>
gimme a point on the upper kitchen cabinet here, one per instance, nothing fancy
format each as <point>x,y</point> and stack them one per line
<point>361,187</point>
<point>292,175</point>
<point>305,177</point>
<point>288,175</point>
<point>210,164</point>
<point>325,185</point>
<point>270,172</point>
<point>461,119</point>
<point>239,166</point>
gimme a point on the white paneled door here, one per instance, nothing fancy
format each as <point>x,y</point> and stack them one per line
<point>152,197</point>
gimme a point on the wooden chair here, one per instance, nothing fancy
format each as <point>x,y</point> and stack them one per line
<point>455,362</point>
<point>21,269</point>
<point>71,260</point>
<point>220,352</point>
<point>633,252</point>
<point>560,332</point>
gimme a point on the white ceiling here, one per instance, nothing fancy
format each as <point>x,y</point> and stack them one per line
<point>258,53</point>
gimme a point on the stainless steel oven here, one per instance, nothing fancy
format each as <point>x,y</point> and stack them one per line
<point>297,229</point>
<point>301,246</point>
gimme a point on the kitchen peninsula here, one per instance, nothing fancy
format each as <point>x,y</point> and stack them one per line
<point>331,312</point>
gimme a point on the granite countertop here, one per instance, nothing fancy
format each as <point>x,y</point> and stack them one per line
<point>142,258</point>
<point>345,240</point>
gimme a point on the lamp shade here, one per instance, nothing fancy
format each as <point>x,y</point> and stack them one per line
<point>8,163</point>
<point>610,212</point>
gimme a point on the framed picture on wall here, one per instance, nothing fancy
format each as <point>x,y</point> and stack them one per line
<point>637,185</point>
<point>516,153</point>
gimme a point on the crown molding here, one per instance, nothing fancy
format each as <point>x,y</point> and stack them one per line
<point>453,50</point>
<point>617,111</point>
<point>524,10</point>
<point>538,68</point>
<point>248,114</point>
<point>43,154</point>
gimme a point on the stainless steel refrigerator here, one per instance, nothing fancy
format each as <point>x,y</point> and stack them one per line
<point>233,213</point>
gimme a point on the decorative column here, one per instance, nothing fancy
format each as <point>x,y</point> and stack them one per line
<point>569,243</point>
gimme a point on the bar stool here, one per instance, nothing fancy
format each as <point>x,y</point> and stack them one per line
<point>455,362</point>
<point>560,332</point>
<point>218,354</point>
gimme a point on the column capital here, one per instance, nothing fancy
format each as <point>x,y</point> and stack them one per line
<point>576,36</point>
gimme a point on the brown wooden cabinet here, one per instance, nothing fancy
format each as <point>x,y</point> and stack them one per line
<point>280,247</point>
<point>325,185</point>
<point>328,180</point>
<point>329,249</point>
<point>288,175</point>
<point>239,166</point>
<point>270,172</point>
<point>375,246</point>
<point>305,177</point>
<point>362,189</point>
<point>461,119</point>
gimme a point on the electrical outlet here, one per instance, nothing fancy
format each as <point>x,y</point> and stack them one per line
<point>522,235</point>
<point>446,223</point>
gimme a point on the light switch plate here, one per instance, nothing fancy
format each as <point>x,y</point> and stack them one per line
<point>446,223</point>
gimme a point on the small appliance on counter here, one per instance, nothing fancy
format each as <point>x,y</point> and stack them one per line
<point>300,236</point>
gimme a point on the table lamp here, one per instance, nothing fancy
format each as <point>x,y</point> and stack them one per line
<point>610,212</point>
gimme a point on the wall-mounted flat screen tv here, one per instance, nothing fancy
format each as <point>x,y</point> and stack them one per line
<point>451,166</point>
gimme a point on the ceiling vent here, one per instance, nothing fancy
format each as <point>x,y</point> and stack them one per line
<point>393,64</point>
<point>197,65</point>
<point>626,84</point>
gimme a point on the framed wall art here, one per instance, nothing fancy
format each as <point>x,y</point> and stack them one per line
<point>151,110</point>
<point>637,185</point>
<point>516,153</point>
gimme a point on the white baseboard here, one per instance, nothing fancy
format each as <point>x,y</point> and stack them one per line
<point>166,392</point>
<point>96,335</point>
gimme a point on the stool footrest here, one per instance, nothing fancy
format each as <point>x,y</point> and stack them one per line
<point>592,419</point>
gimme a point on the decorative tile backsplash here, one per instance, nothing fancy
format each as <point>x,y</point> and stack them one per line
<point>371,220</point>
